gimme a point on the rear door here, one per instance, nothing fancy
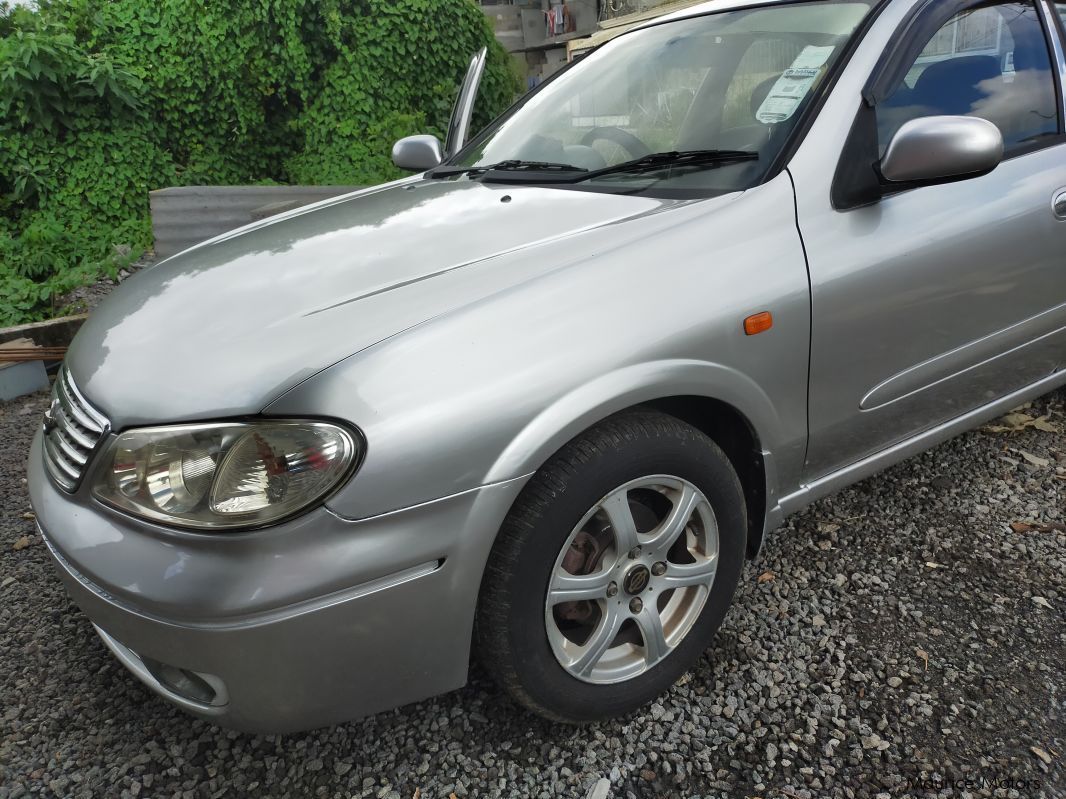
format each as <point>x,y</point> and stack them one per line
<point>937,300</point>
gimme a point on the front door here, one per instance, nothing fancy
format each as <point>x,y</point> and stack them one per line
<point>936,300</point>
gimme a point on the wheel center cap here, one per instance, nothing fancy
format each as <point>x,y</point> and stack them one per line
<point>636,580</point>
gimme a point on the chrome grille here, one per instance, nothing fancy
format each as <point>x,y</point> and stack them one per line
<point>72,429</point>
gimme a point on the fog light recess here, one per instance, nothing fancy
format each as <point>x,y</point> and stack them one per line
<point>204,689</point>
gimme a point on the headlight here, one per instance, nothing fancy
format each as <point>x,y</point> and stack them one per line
<point>224,475</point>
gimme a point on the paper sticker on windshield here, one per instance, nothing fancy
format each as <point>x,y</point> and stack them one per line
<point>812,57</point>
<point>790,89</point>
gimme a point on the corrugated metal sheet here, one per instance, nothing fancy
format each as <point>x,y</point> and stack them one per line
<point>186,215</point>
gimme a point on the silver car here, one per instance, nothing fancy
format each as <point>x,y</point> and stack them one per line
<point>541,401</point>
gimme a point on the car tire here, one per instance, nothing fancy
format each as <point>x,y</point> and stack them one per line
<point>598,652</point>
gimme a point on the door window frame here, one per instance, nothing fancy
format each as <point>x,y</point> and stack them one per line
<point>856,182</point>
<point>1054,20</point>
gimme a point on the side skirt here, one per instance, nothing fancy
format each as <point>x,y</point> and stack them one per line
<point>879,461</point>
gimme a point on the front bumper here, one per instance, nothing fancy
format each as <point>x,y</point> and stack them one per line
<point>313,622</point>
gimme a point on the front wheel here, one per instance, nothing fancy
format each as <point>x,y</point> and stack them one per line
<point>614,569</point>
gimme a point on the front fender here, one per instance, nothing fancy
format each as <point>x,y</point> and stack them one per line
<point>626,314</point>
<point>621,389</point>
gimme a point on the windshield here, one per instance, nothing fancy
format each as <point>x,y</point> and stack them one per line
<point>681,92</point>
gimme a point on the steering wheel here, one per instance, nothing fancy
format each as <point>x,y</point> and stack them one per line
<point>623,138</point>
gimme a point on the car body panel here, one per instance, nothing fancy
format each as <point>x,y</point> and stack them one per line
<point>977,286</point>
<point>923,313</point>
<point>190,578</point>
<point>333,277</point>
<point>1025,351</point>
<point>814,489</point>
<point>263,611</point>
<point>490,390</point>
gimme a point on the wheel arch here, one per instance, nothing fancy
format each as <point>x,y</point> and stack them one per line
<point>727,405</point>
<point>733,432</point>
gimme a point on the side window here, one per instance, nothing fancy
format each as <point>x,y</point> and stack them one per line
<point>991,62</point>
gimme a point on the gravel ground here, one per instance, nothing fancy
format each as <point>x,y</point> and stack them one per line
<point>900,631</point>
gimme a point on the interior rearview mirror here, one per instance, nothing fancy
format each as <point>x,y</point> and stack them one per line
<point>417,153</point>
<point>942,148</point>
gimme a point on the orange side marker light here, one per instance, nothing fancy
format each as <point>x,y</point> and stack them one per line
<point>758,323</point>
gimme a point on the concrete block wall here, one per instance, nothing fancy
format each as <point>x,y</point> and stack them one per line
<point>586,15</point>
<point>534,27</point>
<point>507,22</point>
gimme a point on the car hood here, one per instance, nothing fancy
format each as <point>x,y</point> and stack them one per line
<point>224,328</point>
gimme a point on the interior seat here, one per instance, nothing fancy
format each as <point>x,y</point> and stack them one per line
<point>754,136</point>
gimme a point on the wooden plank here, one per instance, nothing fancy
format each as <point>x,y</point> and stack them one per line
<point>52,333</point>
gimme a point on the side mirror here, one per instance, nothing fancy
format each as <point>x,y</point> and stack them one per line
<point>417,153</point>
<point>942,148</point>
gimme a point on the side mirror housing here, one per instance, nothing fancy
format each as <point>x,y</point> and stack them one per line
<point>942,149</point>
<point>417,153</point>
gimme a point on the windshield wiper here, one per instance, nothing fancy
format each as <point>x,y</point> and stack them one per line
<point>545,171</point>
<point>683,158</point>
<point>514,165</point>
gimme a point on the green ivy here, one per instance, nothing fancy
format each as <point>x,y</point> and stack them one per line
<point>102,102</point>
<point>409,55</point>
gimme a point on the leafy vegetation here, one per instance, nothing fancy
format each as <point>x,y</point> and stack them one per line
<point>102,102</point>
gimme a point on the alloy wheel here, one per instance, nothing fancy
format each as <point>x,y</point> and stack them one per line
<point>632,578</point>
